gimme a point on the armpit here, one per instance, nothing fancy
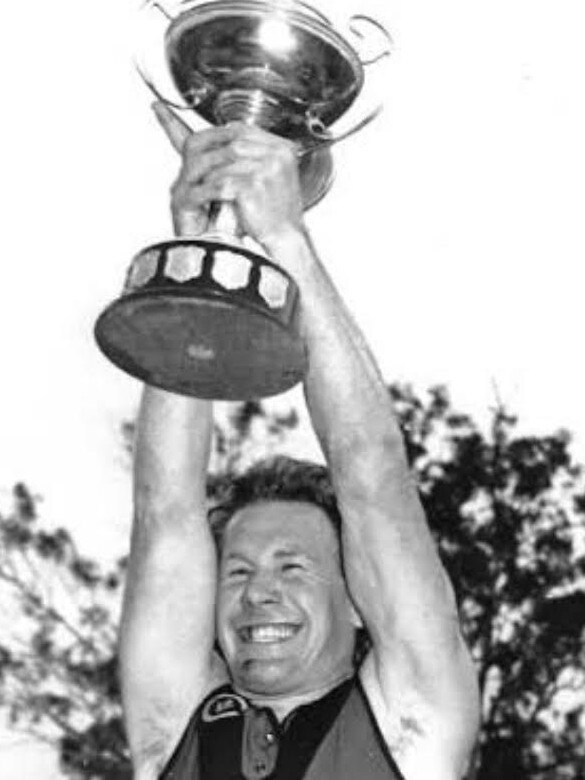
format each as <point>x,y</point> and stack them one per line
<point>421,741</point>
<point>405,723</point>
<point>403,735</point>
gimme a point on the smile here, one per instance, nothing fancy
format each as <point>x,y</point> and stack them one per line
<point>268,632</point>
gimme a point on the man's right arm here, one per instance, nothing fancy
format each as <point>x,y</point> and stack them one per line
<point>167,630</point>
<point>168,620</point>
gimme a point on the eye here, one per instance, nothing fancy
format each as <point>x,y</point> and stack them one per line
<point>237,572</point>
<point>291,566</point>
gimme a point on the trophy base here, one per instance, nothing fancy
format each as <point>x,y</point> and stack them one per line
<point>185,330</point>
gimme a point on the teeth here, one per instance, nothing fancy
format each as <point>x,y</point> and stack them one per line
<point>268,633</point>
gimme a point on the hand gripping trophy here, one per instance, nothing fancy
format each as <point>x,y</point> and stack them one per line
<point>211,316</point>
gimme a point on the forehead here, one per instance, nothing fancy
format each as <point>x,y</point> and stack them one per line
<point>272,525</point>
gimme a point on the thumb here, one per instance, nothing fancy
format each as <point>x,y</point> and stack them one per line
<point>176,129</point>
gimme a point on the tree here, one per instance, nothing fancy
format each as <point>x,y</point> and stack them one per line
<point>58,677</point>
<point>507,512</point>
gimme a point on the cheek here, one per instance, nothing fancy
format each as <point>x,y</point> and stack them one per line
<point>339,605</point>
<point>319,599</point>
<point>224,612</point>
<point>225,607</point>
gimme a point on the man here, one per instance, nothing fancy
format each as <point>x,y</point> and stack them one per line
<point>227,655</point>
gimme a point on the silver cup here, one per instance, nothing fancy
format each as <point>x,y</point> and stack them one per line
<point>212,316</point>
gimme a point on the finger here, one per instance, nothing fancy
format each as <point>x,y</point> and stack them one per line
<point>251,175</point>
<point>258,148</point>
<point>213,138</point>
<point>239,171</point>
<point>177,131</point>
<point>227,183</point>
<point>197,166</point>
<point>255,134</point>
<point>202,159</point>
<point>186,197</point>
<point>190,223</point>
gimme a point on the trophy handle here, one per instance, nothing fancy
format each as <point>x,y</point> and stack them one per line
<point>194,98</point>
<point>222,218</point>
<point>322,137</point>
<point>387,41</point>
<point>317,130</point>
<point>151,15</point>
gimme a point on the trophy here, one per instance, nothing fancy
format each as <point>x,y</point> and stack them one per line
<point>212,316</point>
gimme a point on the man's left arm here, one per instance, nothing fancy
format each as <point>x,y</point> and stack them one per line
<point>419,676</point>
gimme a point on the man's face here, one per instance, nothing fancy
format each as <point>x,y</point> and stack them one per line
<point>285,623</point>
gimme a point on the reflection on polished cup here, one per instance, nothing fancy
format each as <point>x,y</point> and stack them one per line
<point>212,316</point>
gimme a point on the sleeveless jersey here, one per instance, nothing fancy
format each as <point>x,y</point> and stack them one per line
<point>334,738</point>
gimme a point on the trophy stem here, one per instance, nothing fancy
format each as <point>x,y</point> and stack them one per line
<point>223,219</point>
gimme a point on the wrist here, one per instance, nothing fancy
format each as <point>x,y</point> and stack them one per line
<point>291,248</point>
<point>153,396</point>
<point>283,234</point>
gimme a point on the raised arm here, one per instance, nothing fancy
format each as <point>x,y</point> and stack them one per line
<point>167,631</point>
<point>419,676</point>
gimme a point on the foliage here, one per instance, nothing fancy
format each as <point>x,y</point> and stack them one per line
<point>58,677</point>
<point>507,512</point>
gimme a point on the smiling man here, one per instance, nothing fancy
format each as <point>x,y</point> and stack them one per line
<point>239,631</point>
<point>283,612</point>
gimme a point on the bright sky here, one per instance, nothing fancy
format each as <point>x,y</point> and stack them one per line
<point>454,228</point>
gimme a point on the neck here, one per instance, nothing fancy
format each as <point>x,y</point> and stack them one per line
<point>283,704</point>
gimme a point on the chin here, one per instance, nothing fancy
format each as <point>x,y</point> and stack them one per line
<point>264,677</point>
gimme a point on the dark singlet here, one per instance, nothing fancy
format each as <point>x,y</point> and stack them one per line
<point>334,738</point>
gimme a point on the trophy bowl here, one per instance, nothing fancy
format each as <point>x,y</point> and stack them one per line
<point>211,315</point>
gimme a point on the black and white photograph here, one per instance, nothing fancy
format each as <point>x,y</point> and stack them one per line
<point>292,463</point>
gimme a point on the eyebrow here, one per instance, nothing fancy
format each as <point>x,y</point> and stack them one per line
<point>285,552</point>
<point>237,555</point>
<point>288,552</point>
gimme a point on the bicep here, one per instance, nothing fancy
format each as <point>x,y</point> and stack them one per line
<point>166,635</point>
<point>419,662</point>
<point>391,562</point>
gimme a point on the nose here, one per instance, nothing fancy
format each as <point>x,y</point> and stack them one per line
<point>262,588</point>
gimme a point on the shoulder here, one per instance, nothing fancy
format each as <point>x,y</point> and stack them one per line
<point>211,742</point>
<point>425,738</point>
